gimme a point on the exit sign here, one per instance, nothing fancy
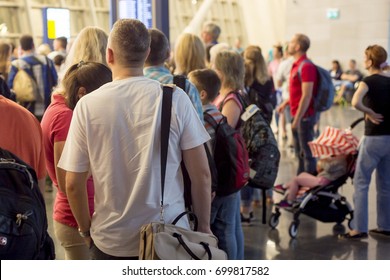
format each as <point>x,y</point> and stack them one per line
<point>333,13</point>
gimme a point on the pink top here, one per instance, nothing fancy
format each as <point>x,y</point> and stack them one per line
<point>220,98</point>
<point>55,126</point>
<point>273,67</point>
<point>223,99</point>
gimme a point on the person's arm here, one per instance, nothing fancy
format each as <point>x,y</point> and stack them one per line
<point>280,109</point>
<point>357,102</point>
<point>41,185</point>
<point>78,200</point>
<point>232,112</point>
<point>307,93</point>
<point>60,173</point>
<point>195,160</point>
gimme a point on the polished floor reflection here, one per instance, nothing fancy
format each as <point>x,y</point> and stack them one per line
<point>315,240</point>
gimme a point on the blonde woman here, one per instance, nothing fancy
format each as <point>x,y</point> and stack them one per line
<point>89,45</point>
<point>225,210</point>
<point>189,54</point>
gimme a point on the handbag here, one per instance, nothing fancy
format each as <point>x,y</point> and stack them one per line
<point>162,241</point>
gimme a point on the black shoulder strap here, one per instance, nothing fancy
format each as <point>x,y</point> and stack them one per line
<point>239,97</point>
<point>242,100</point>
<point>180,81</point>
<point>165,127</point>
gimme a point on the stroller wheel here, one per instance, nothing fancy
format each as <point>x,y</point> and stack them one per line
<point>274,220</point>
<point>293,229</point>
<point>338,228</point>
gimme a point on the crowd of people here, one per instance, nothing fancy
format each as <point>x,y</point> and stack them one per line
<point>93,128</point>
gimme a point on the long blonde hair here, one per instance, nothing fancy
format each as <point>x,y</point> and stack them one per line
<point>189,54</point>
<point>231,65</point>
<point>89,45</point>
<point>255,66</point>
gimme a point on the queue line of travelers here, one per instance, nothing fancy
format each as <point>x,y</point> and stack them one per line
<point>125,107</point>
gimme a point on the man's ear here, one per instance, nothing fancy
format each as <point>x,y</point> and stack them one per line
<point>203,94</point>
<point>81,92</point>
<point>109,56</point>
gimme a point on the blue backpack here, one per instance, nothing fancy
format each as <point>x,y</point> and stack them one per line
<point>324,98</point>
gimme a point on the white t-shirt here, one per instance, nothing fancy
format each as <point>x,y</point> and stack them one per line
<point>115,133</point>
<point>283,74</point>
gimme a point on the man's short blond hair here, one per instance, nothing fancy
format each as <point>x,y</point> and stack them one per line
<point>130,42</point>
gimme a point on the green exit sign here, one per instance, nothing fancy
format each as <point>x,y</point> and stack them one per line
<point>333,13</point>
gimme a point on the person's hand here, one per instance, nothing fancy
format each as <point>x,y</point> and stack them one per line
<point>204,229</point>
<point>88,241</point>
<point>213,194</point>
<point>280,109</point>
<point>295,123</point>
<point>375,118</point>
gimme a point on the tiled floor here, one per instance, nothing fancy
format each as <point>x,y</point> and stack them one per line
<point>315,240</point>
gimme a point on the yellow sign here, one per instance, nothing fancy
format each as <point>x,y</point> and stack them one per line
<point>51,29</point>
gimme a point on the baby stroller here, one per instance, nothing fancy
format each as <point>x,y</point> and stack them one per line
<point>324,203</point>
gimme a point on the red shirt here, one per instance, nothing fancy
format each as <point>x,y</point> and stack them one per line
<point>55,126</point>
<point>308,74</point>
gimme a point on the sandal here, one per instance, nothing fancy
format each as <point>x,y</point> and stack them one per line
<point>348,236</point>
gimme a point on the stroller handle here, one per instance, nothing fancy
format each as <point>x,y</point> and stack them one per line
<point>355,123</point>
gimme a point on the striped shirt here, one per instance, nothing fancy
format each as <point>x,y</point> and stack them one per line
<point>217,116</point>
<point>162,74</point>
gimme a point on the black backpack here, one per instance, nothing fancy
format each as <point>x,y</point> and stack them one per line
<point>23,220</point>
<point>264,97</point>
<point>264,155</point>
<point>230,156</point>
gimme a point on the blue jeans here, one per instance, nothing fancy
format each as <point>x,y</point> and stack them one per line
<point>247,196</point>
<point>226,225</point>
<point>374,153</point>
<point>302,135</point>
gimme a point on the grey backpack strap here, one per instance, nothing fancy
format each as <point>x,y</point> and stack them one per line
<point>301,66</point>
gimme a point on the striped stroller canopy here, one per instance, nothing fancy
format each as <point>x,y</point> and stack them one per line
<point>334,141</point>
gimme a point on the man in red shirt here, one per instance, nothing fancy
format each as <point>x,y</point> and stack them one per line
<point>302,85</point>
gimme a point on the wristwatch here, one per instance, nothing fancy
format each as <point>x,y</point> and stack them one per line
<point>84,233</point>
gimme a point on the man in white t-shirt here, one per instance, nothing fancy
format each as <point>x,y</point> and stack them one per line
<point>114,134</point>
